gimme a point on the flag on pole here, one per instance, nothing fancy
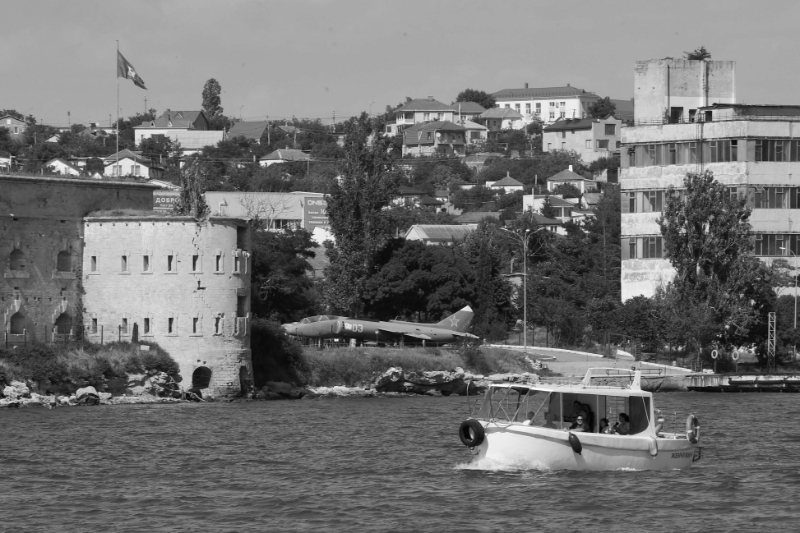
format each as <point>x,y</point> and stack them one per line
<point>126,70</point>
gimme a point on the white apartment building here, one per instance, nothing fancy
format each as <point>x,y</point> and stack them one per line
<point>753,149</point>
<point>547,103</point>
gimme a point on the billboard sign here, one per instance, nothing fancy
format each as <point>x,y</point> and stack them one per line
<point>315,213</point>
<point>164,200</point>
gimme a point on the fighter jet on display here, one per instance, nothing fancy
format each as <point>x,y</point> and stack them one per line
<point>448,330</point>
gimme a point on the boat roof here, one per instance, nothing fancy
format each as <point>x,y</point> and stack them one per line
<point>612,382</point>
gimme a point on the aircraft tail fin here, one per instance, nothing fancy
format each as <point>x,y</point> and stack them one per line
<point>458,321</point>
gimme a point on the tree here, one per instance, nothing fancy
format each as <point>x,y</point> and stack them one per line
<point>193,184</point>
<point>212,102</point>
<point>602,108</point>
<point>567,190</point>
<point>698,54</point>
<point>547,208</point>
<point>479,97</point>
<point>706,234</point>
<point>357,204</point>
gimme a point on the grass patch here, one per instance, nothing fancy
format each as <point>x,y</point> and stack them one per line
<point>359,366</point>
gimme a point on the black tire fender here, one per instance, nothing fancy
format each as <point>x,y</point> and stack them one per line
<point>471,433</point>
<point>575,442</point>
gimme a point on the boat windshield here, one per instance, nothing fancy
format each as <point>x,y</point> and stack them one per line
<point>517,404</point>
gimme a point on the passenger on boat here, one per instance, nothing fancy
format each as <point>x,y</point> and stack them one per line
<point>580,425</point>
<point>549,421</point>
<point>623,427</point>
<point>529,419</point>
<point>604,427</point>
<point>577,410</point>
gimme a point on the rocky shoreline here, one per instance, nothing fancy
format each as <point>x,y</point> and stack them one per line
<point>159,388</point>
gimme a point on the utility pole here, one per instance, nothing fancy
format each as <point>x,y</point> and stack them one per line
<point>145,105</point>
<point>69,119</point>
<point>334,122</point>
<point>268,141</point>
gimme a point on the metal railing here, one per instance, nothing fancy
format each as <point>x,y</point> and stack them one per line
<point>703,120</point>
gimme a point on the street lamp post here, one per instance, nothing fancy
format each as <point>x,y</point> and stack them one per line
<point>524,239</point>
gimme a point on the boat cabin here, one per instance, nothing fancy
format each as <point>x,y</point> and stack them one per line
<point>604,395</point>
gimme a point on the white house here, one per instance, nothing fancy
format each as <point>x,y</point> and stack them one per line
<point>501,118</point>
<point>62,166</point>
<point>131,164</point>
<point>189,128</point>
<point>568,176</point>
<point>286,155</point>
<point>475,133</point>
<point>548,104</point>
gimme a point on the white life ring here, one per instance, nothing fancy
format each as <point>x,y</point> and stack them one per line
<point>692,429</point>
<point>735,355</point>
<point>714,354</point>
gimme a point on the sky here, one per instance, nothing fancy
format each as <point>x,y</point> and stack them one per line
<point>309,59</point>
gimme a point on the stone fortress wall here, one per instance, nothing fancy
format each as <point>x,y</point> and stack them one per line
<point>48,291</point>
<point>177,281</point>
<point>41,245</point>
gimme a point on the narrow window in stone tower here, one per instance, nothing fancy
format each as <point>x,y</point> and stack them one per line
<point>94,325</point>
<point>217,325</point>
<point>170,324</point>
<point>170,263</point>
<point>195,263</point>
<point>94,263</point>
<point>236,263</point>
<point>125,325</point>
<point>146,326</point>
<point>219,263</point>
<point>124,264</point>
<point>195,324</point>
<point>146,263</point>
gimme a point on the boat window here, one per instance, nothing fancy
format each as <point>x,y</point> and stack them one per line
<point>636,407</point>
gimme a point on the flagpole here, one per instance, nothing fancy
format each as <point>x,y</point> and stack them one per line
<point>117,128</point>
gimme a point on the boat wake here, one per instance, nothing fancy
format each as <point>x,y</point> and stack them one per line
<point>489,465</point>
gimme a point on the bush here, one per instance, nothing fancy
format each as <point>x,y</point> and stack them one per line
<point>276,357</point>
<point>36,362</point>
<point>475,360</point>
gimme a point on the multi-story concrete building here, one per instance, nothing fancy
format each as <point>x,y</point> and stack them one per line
<point>591,138</point>
<point>753,149</point>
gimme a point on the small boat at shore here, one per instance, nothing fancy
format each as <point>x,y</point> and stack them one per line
<point>558,426</point>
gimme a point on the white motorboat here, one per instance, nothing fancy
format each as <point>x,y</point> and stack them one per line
<point>536,424</point>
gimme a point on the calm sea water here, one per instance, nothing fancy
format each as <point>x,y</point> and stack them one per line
<point>375,464</point>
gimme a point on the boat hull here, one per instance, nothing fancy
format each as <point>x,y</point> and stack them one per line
<point>538,447</point>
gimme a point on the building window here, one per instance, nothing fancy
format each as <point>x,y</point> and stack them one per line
<point>426,116</point>
<point>195,325</point>
<point>775,244</point>
<point>236,264</point>
<point>611,129</point>
<point>218,263</point>
<point>146,326</point>
<point>563,146</point>
<point>552,115</point>
<point>777,150</point>
<point>94,325</point>
<point>64,262</point>
<point>774,197</point>
<point>195,263</point>
<point>552,104</point>
<point>124,327</point>
<point>652,201</point>
<point>563,134</point>
<point>630,199</point>
<point>672,154</point>
<point>145,263</point>
<point>93,264</point>
<point>516,107</point>
<point>170,263</point>
<point>563,104</point>
<point>549,146</point>
<point>602,144</point>
<point>588,144</point>
<point>217,325</point>
<point>135,170</point>
<point>562,114</point>
<point>170,325</point>
<point>528,108</point>
<point>124,264</point>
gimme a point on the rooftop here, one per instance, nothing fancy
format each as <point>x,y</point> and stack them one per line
<point>567,175</point>
<point>508,181</point>
<point>441,233</point>
<point>286,154</point>
<point>468,107</point>
<point>424,104</point>
<point>564,124</point>
<point>173,119</point>
<point>501,112</point>
<point>541,92</point>
<point>249,130</point>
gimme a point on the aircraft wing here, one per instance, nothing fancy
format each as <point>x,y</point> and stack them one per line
<point>459,334</point>
<point>401,331</point>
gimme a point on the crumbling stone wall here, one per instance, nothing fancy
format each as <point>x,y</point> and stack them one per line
<point>182,283</point>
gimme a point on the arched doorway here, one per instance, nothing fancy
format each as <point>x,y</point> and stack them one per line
<point>64,324</point>
<point>17,324</point>
<point>64,262</point>
<point>17,260</point>
<point>201,378</point>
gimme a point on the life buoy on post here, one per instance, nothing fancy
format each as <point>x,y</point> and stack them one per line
<point>735,355</point>
<point>714,354</point>
<point>692,429</point>
<point>471,433</point>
